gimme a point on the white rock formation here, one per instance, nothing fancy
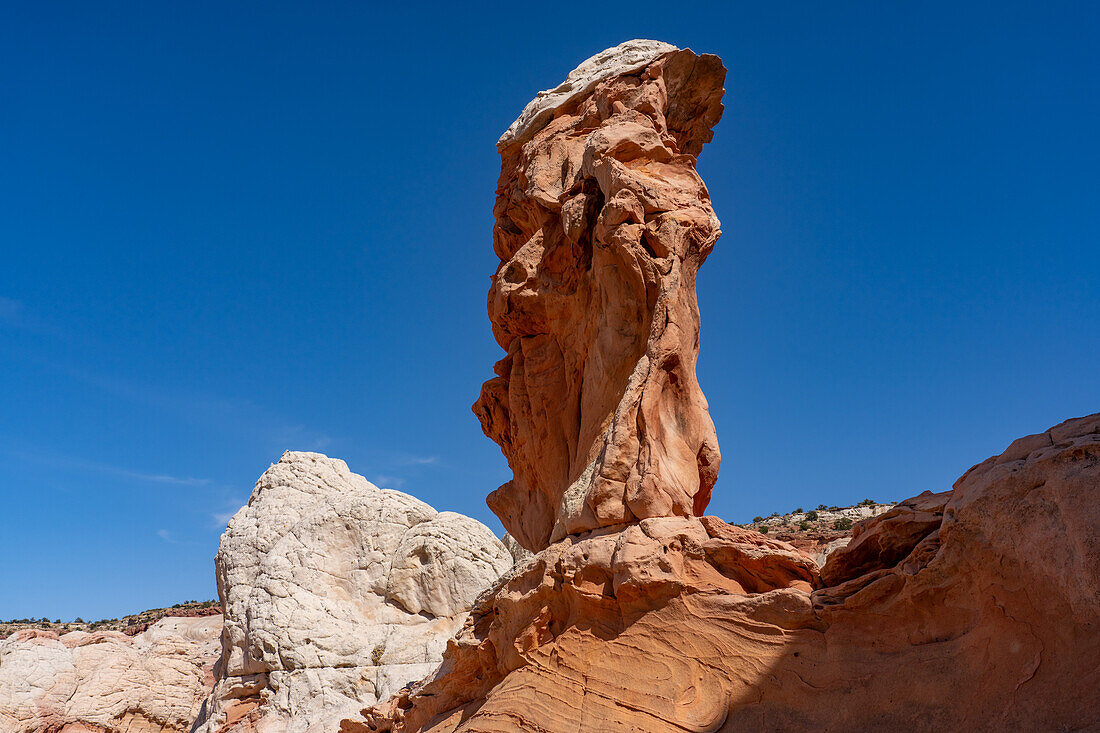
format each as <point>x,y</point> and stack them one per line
<point>108,682</point>
<point>622,59</point>
<point>830,548</point>
<point>336,594</point>
<point>519,552</point>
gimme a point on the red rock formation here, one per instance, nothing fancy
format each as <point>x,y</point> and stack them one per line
<point>601,225</point>
<point>989,621</point>
<point>977,608</point>
<point>588,610</point>
<point>895,535</point>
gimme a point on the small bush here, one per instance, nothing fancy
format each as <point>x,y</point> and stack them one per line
<point>867,502</point>
<point>844,523</point>
<point>765,529</point>
<point>757,520</point>
<point>798,510</point>
<point>821,507</point>
<point>803,525</point>
<point>812,516</point>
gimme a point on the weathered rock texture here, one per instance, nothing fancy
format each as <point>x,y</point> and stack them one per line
<point>975,609</point>
<point>106,681</point>
<point>601,225</point>
<point>817,533</point>
<point>336,593</point>
<point>573,639</point>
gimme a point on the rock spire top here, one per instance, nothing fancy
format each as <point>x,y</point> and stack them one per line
<point>622,59</point>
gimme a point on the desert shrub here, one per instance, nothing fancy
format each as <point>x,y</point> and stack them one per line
<point>757,520</point>
<point>765,529</point>
<point>798,510</point>
<point>803,525</point>
<point>844,523</point>
<point>821,507</point>
<point>812,516</point>
<point>867,502</point>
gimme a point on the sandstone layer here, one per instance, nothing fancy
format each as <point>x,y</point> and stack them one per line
<point>106,681</point>
<point>972,609</point>
<point>601,225</point>
<point>336,594</point>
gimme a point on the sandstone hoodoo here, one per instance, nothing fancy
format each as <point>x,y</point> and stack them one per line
<point>976,608</point>
<point>601,225</point>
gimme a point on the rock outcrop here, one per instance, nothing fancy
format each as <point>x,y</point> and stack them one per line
<point>606,630</point>
<point>820,532</point>
<point>974,609</point>
<point>336,594</point>
<point>106,681</point>
<point>601,225</point>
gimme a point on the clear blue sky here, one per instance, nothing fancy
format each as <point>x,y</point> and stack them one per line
<point>232,229</point>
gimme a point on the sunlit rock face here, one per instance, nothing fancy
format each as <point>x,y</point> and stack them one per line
<point>601,225</point>
<point>106,681</point>
<point>972,609</point>
<point>336,593</point>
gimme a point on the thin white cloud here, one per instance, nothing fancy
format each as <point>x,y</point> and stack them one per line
<point>158,478</point>
<point>222,518</point>
<point>55,459</point>
<point>423,461</point>
<point>389,482</point>
<point>227,415</point>
<point>170,538</point>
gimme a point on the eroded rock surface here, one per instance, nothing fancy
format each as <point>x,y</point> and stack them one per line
<point>601,225</point>
<point>106,681</point>
<point>974,609</point>
<point>555,647</point>
<point>336,594</point>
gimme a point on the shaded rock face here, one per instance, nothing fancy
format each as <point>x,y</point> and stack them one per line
<point>601,225</point>
<point>106,681</point>
<point>556,645</point>
<point>973,609</point>
<point>336,593</point>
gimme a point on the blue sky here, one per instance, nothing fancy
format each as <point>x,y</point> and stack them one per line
<point>233,229</point>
